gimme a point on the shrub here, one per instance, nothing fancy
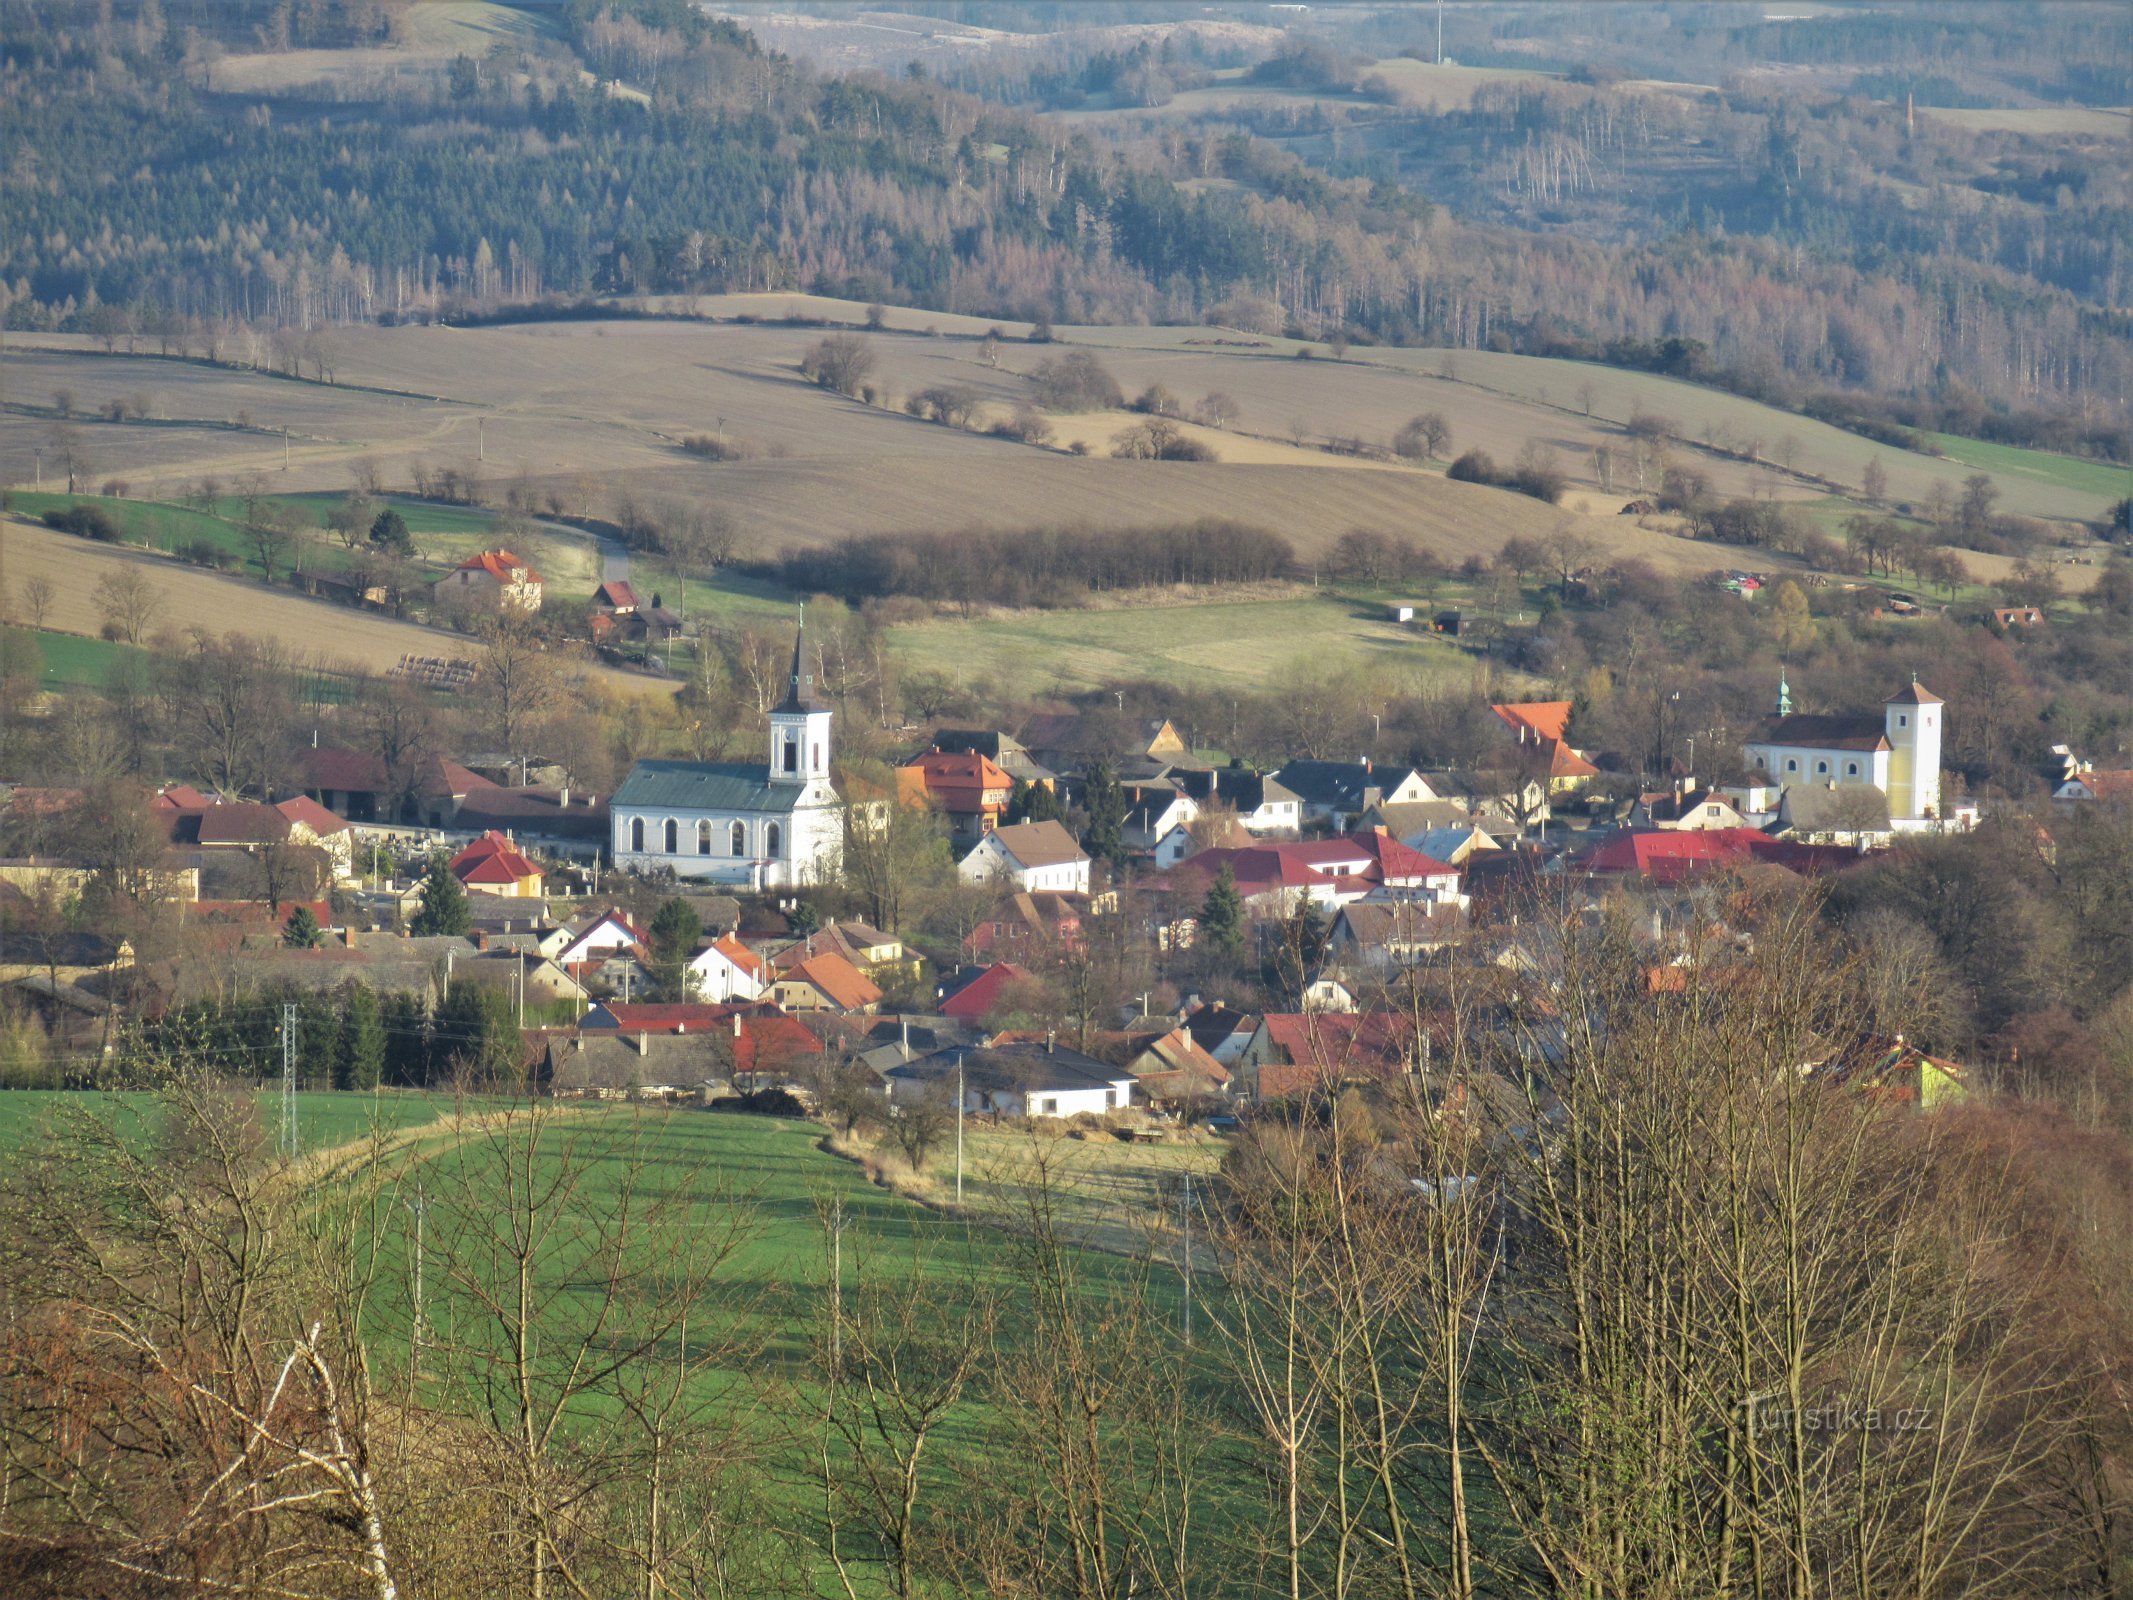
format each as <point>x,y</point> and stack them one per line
<point>89,522</point>
<point>1476,466</point>
<point>1027,425</point>
<point>1076,382</point>
<point>712,447</point>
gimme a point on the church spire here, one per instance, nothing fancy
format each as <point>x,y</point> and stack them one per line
<point>1784,695</point>
<point>800,688</point>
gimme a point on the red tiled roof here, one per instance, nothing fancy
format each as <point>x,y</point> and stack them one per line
<point>1914,694</point>
<point>492,859</point>
<point>2106,785</point>
<point>982,993</point>
<point>681,1017</point>
<point>1673,854</point>
<point>1342,1042</point>
<point>500,565</point>
<point>242,823</point>
<point>727,945</point>
<point>331,768</point>
<point>960,781</point>
<point>181,797</point>
<point>302,808</point>
<point>843,984</point>
<point>616,595</point>
<point>1540,720</point>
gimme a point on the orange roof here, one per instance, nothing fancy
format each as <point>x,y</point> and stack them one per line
<point>741,956</point>
<point>1564,762</point>
<point>501,565</point>
<point>841,983</point>
<point>492,859</point>
<point>1537,719</point>
<point>302,808</point>
<point>960,780</point>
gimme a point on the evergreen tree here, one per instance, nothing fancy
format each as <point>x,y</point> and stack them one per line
<point>360,1061</point>
<point>1222,914</point>
<point>1105,803</point>
<point>390,530</point>
<point>444,903</point>
<point>407,1045</point>
<point>673,935</point>
<point>476,1032</point>
<point>301,931</point>
<point>1033,802</point>
<point>318,1036</point>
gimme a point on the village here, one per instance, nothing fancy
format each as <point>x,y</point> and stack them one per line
<point>1132,933</point>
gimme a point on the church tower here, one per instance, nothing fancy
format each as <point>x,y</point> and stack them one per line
<point>1912,723</point>
<point>800,727</point>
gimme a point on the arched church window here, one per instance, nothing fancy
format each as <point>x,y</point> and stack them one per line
<point>737,837</point>
<point>673,837</point>
<point>703,838</point>
<point>771,839</point>
<point>637,834</point>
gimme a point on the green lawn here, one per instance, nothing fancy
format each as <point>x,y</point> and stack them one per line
<point>2105,478</point>
<point>1249,643</point>
<point>71,661</point>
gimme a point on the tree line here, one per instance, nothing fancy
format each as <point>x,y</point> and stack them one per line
<point>1056,566</point>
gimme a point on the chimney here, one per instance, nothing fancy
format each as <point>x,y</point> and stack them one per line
<point>1051,1041</point>
<point>681,1027</point>
<point>562,799</point>
<point>736,1024</point>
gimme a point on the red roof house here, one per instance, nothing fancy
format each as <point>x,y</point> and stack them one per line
<point>974,999</point>
<point>494,864</point>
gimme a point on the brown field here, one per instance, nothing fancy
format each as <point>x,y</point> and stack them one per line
<point>587,410</point>
<point>437,31</point>
<point>321,635</point>
<point>2079,122</point>
<point>1425,85</point>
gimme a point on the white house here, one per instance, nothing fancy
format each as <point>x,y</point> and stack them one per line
<point>1015,1080</point>
<point>1154,810</point>
<point>726,969</point>
<point>1339,791</point>
<point>1897,752</point>
<point>496,576</point>
<point>1029,855</point>
<point>758,826</point>
<point>609,933</point>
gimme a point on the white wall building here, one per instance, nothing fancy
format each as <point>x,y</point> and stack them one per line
<point>757,826</point>
<point>1031,856</point>
<point>1897,753</point>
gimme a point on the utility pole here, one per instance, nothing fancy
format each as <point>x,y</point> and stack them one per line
<point>481,439</point>
<point>288,1081</point>
<point>1440,32</point>
<point>837,1286</point>
<point>285,447</point>
<point>1188,1255</point>
<point>420,1206</point>
<point>959,1127</point>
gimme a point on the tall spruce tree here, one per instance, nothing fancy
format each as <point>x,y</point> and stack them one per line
<point>444,903</point>
<point>673,935</point>
<point>1222,914</point>
<point>1105,804</point>
<point>360,1060</point>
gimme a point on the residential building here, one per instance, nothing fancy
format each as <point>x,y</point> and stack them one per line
<point>971,994</point>
<point>1003,750</point>
<point>825,982</point>
<point>1016,1080</point>
<point>725,969</point>
<point>1264,804</point>
<point>494,865</point>
<point>495,577</point>
<point>1029,855</point>
<point>1308,1052</point>
<point>763,826</point>
<point>967,788</point>
<point>1336,792</point>
<point>2091,785</point>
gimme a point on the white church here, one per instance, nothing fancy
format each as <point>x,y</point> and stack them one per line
<point>754,826</point>
<point>1897,752</point>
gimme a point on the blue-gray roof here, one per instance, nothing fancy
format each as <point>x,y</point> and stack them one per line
<point>704,786</point>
